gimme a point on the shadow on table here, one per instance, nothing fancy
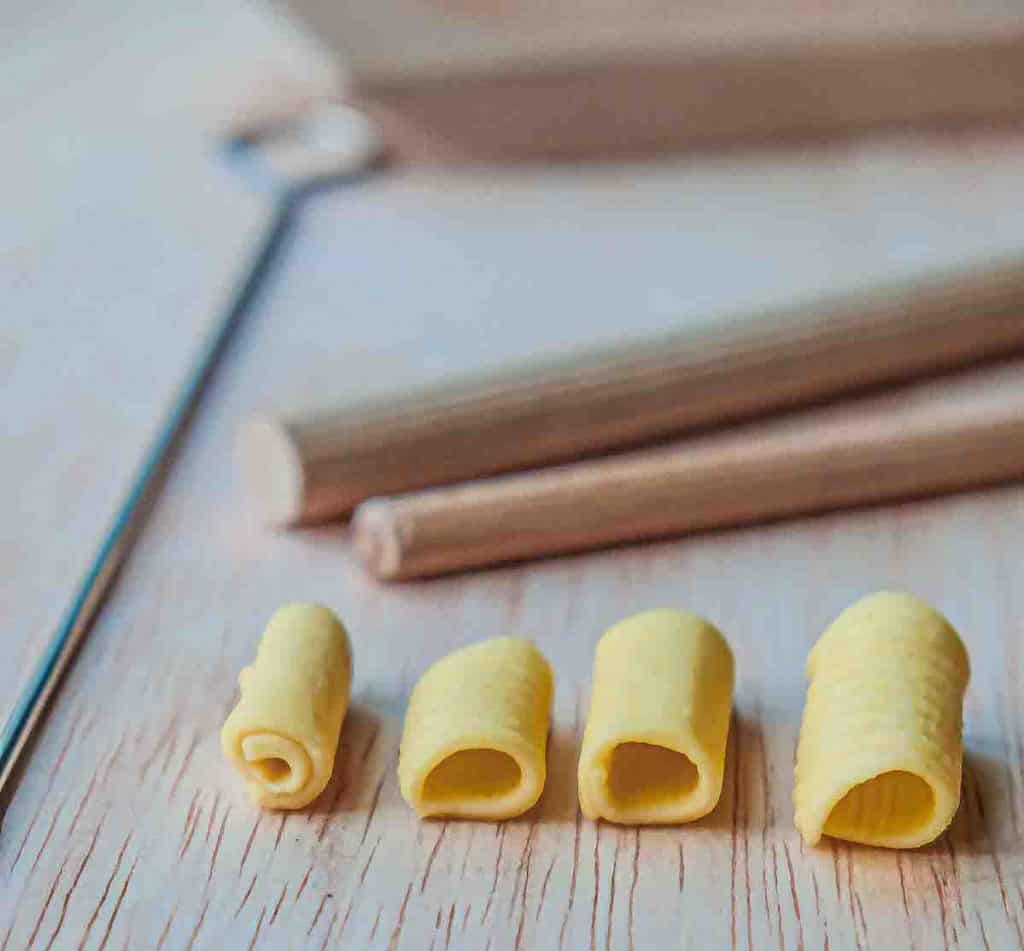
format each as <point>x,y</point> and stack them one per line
<point>560,800</point>
<point>733,809</point>
<point>987,821</point>
<point>366,757</point>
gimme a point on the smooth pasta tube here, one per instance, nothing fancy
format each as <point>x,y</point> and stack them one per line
<point>475,737</point>
<point>654,744</point>
<point>283,734</point>
<point>881,746</point>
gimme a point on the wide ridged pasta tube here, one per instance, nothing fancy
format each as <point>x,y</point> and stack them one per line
<point>283,734</point>
<point>475,737</point>
<point>881,747</point>
<point>654,744</point>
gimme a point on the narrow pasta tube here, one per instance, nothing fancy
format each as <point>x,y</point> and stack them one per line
<point>655,740</point>
<point>881,749</point>
<point>475,736</point>
<point>283,733</point>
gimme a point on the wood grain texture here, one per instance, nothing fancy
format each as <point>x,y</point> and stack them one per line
<point>128,822</point>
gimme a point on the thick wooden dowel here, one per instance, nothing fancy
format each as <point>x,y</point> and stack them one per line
<point>312,468</point>
<point>951,433</point>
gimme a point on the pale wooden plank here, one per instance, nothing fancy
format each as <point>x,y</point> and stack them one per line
<point>485,80</point>
<point>400,40</point>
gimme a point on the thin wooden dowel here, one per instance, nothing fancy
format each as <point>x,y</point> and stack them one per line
<point>947,434</point>
<point>314,467</point>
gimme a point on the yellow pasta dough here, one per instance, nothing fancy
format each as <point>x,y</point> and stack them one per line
<point>475,736</point>
<point>880,749</point>
<point>283,734</point>
<point>654,744</point>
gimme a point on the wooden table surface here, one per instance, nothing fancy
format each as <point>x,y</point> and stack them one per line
<point>125,827</point>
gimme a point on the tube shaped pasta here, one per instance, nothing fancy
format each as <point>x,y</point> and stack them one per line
<point>654,744</point>
<point>475,736</point>
<point>881,748</point>
<point>283,733</point>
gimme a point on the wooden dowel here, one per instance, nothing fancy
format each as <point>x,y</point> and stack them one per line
<point>958,431</point>
<point>315,467</point>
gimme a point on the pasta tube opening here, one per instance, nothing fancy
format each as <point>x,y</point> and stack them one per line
<point>475,736</point>
<point>471,775</point>
<point>644,775</point>
<point>273,770</point>
<point>894,804</point>
<point>275,762</point>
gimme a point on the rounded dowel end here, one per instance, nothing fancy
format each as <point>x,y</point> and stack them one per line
<point>375,537</point>
<point>271,466</point>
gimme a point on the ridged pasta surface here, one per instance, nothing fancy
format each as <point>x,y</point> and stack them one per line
<point>283,733</point>
<point>475,736</point>
<point>655,740</point>
<point>880,752</point>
